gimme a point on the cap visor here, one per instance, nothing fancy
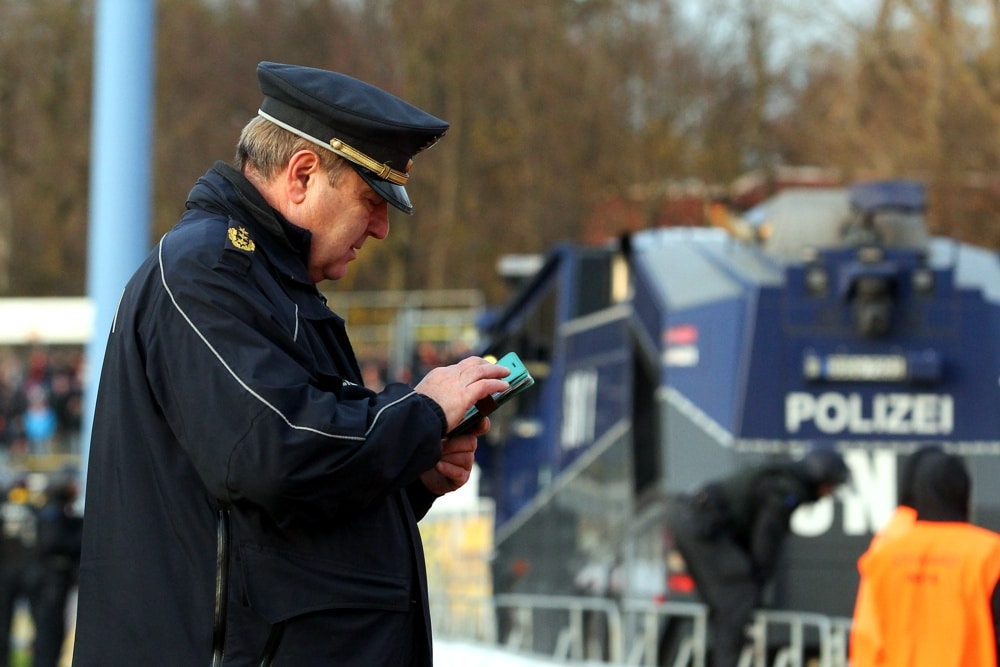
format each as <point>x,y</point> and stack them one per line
<point>392,193</point>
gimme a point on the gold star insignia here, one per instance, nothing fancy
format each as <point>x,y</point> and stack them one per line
<point>240,238</point>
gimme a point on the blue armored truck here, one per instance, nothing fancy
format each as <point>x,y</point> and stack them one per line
<point>675,355</point>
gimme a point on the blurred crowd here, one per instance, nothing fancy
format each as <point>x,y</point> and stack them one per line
<point>39,560</point>
<point>40,421</point>
<point>40,401</point>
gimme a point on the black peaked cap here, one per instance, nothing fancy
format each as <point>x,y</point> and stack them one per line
<point>377,132</point>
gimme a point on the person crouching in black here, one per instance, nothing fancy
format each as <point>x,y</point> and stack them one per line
<point>730,533</point>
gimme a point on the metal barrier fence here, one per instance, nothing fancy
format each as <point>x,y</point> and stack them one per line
<point>631,633</point>
<point>804,631</point>
<point>572,641</point>
<point>647,621</point>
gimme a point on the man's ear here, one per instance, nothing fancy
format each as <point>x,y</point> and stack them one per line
<point>303,167</point>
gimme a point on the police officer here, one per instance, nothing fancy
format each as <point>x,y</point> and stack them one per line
<point>730,533</point>
<point>249,501</point>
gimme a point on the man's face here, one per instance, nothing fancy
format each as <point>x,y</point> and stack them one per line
<point>341,219</point>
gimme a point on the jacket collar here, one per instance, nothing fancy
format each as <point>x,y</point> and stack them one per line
<point>225,190</point>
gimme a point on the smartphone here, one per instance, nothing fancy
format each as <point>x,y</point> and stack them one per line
<point>518,380</point>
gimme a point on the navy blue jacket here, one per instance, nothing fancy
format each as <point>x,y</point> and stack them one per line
<point>248,502</point>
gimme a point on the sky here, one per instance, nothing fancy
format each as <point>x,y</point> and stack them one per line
<point>795,23</point>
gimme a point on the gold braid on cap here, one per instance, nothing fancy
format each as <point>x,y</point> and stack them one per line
<point>381,170</point>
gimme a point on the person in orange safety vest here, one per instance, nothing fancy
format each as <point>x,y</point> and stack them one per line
<point>932,588</point>
<point>864,625</point>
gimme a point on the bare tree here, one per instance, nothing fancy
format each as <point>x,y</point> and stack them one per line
<point>44,127</point>
<point>554,106</point>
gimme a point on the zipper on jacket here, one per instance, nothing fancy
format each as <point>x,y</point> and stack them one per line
<point>271,647</point>
<point>221,586</point>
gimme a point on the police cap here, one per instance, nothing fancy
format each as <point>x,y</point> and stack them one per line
<point>376,132</point>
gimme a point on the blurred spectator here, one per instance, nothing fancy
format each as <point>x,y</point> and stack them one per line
<point>373,375</point>
<point>458,349</point>
<point>11,411</point>
<point>427,358</point>
<point>67,402</point>
<point>17,543</point>
<point>39,420</point>
<point>53,572</point>
<point>12,400</point>
<point>37,374</point>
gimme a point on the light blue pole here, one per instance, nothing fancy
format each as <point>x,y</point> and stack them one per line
<point>120,171</point>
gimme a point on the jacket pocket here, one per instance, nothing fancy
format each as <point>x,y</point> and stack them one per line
<point>280,585</point>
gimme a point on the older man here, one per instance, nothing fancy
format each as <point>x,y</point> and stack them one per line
<point>249,502</point>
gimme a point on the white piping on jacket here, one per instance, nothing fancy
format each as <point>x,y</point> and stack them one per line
<point>239,380</point>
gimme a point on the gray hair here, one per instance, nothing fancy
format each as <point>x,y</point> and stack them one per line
<point>267,148</point>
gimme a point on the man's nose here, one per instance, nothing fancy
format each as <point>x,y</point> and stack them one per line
<point>378,225</point>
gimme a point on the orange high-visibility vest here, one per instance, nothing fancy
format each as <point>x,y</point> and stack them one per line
<point>930,590</point>
<point>865,632</point>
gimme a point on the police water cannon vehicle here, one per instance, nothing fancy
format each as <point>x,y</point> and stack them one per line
<point>677,355</point>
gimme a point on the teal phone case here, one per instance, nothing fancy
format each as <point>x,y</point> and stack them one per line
<point>518,380</point>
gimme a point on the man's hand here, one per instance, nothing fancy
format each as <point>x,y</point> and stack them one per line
<point>457,456</point>
<point>456,388</point>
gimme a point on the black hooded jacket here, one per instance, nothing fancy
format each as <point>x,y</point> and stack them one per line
<point>248,501</point>
<point>759,503</point>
